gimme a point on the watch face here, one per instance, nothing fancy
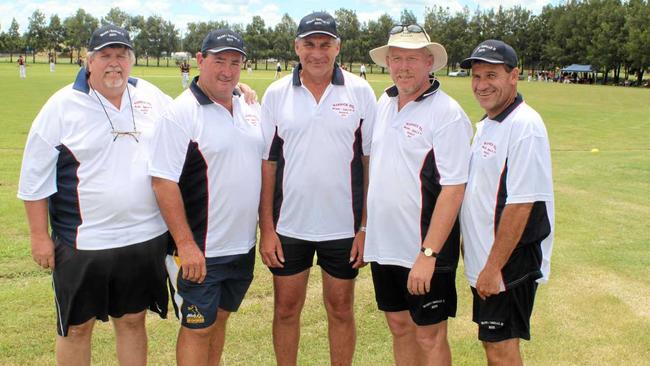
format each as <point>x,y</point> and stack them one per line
<point>428,252</point>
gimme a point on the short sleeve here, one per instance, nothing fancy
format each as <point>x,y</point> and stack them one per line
<point>529,170</point>
<point>269,128</point>
<point>38,170</point>
<point>169,148</point>
<point>451,147</point>
<point>369,116</point>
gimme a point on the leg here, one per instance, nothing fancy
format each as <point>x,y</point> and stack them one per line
<point>405,347</point>
<point>289,298</point>
<point>218,338</point>
<point>131,339</point>
<point>503,353</point>
<point>338,295</point>
<point>434,347</point>
<point>74,349</point>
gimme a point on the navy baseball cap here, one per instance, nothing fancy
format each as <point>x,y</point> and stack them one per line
<point>109,35</point>
<point>223,40</point>
<point>493,52</point>
<point>317,23</point>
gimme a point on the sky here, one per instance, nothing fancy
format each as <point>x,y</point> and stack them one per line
<point>180,12</point>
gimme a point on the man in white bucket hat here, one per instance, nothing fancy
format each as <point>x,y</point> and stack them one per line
<point>418,170</point>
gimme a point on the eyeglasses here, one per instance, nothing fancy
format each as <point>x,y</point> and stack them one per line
<point>413,28</point>
<point>133,134</point>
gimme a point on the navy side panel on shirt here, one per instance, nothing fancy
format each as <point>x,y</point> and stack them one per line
<point>526,259</point>
<point>356,175</point>
<point>430,187</point>
<point>65,215</point>
<point>193,184</point>
<point>276,153</point>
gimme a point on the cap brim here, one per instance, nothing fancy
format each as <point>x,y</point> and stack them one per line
<point>303,35</point>
<point>221,49</point>
<point>467,63</point>
<point>97,48</point>
<point>378,55</point>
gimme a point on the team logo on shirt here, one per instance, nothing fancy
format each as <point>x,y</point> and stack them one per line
<point>252,120</point>
<point>488,149</point>
<point>412,129</point>
<point>142,106</point>
<point>194,316</point>
<point>343,109</point>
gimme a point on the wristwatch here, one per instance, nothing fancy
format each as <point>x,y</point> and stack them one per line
<point>428,252</point>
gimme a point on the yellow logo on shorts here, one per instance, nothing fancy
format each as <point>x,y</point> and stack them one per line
<point>194,316</point>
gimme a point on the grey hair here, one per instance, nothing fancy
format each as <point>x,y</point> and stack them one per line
<point>91,54</point>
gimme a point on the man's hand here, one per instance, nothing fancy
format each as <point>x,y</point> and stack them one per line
<point>489,282</point>
<point>419,281</point>
<point>43,251</point>
<point>356,254</point>
<point>250,96</point>
<point>271,250</point>
<point>192,263</point>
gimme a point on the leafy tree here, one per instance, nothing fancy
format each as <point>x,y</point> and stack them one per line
<point>284,35</point>
<point>36,33</point>
<point>257,40</point>
<point>55,34</point>
<point>79,28</point>
<point>637,45</point>
<point>348,26</point>
<point>117,17</point>
<point>377,34</point>
<point>407,17</point>
<point>13,40</point>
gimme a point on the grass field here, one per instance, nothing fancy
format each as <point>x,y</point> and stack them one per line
<point>594,311</point>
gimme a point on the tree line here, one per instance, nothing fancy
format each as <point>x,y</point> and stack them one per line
<point>611,35</point>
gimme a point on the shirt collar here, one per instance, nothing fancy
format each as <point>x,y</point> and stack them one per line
<point>506,112</point>
<point>200,95</point>
<point>81,82</point>
<point>337,76</point>
<point>435,86</point>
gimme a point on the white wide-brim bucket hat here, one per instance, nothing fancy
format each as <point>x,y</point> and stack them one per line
<point>411,41</point>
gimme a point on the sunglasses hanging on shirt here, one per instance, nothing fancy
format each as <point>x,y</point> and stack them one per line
<point>117,133</point>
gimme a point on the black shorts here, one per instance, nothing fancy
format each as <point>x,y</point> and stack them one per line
<point>224,287</point>
<point>333,257</point>
<point>392,294</point>
<point>111,282</point>
<point>506,315</point>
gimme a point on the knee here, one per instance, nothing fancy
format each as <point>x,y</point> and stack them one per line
<point>400,326</point>
<point>130,322</point>
<point>340,308</point>
<point>431,337</point>
<point>81,331</point>
<point>501,353</point>
<point>287,309</point>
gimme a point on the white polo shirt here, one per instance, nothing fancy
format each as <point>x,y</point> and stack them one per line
<point>215,158</point>
<point>510,163</point>
<point>415,151</point>
<point>99,192</point>
<point>318,149</point>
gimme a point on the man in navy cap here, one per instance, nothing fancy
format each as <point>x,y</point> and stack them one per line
<point>317,124</point>
<point>507,216</point>
<point>86,162</point>
<point>206,169</point>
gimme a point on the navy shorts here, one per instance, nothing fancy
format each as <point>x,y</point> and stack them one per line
<point>333,257</point>
<point>505,315</point>
<point>110,282</point>
<point>392,294</point>
<point>225,285</point>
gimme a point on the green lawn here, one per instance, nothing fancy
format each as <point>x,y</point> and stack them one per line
<point>594,311</point>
